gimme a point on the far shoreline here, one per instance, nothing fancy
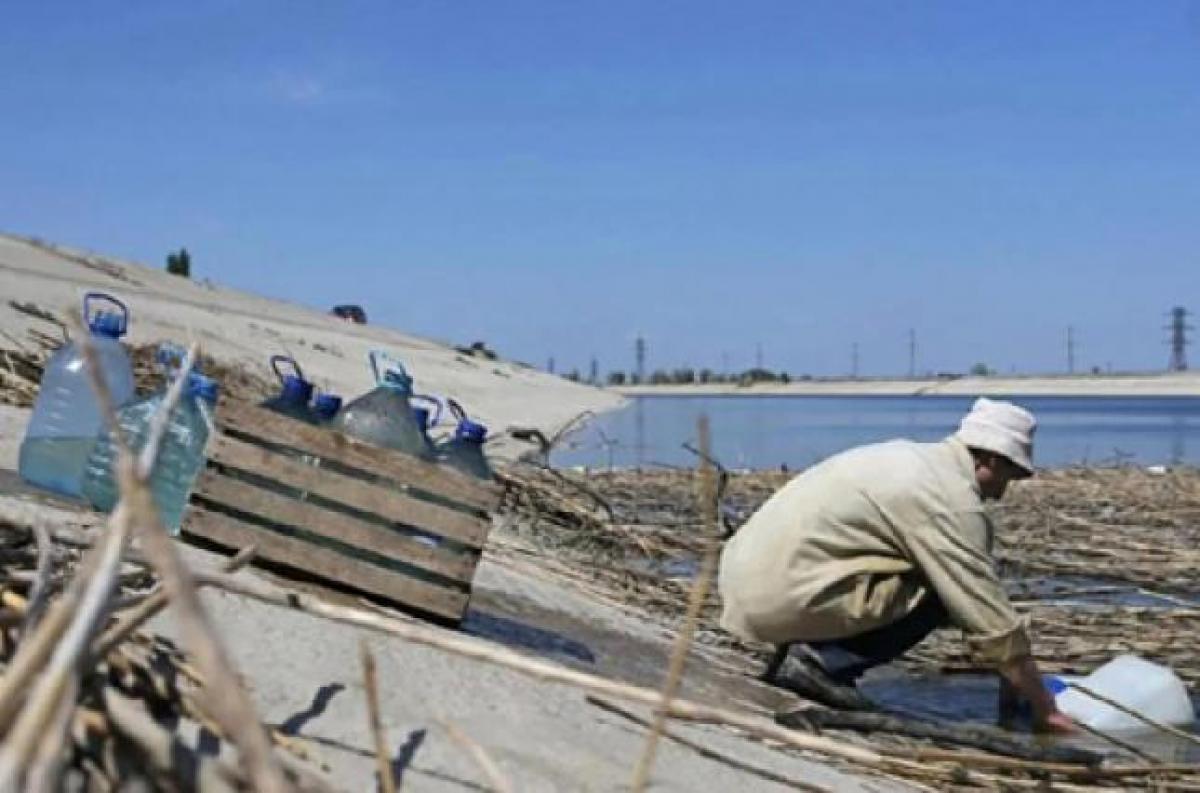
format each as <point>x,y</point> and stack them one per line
<point>1164,385</point>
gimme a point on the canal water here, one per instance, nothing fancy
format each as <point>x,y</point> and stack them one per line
<point>796,431</point>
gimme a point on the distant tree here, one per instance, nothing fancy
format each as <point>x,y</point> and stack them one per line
<point>573,375</point>
<point>616,378</point>
<point>180,263</point>
<point>706,376</point>
<point>683,375</point>
<point>659,377</point>
<point>980,370</point>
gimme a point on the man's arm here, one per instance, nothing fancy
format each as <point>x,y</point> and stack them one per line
<point>1022,675</point>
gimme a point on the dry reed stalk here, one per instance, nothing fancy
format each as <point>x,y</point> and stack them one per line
<point>223,694</point>
<point>711,754</point>
<point>707,495</point>
<point>383,766</point>
<point>152,605</point>
<point>479,756</point>
<point>39,589</point>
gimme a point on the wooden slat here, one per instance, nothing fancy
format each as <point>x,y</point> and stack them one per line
<point>324,562</point>
<point>376,499</point>
<point>322,441</point>
<point>338,526</point>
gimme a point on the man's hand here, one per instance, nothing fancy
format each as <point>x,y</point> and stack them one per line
<point>1056,721</point>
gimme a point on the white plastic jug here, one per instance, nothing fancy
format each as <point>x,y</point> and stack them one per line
<point>1140,685</point>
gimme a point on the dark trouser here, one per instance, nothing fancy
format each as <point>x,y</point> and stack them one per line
<point>846,659</point>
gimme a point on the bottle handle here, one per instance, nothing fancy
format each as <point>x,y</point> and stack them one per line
<point>437,407</point>
<point>103,297</point>
<point>276,360</point>
<point>394,364</point>
<point>456,409</point>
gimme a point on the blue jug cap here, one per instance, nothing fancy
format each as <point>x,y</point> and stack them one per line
<point>327,405</point>
<point>422,416</point>
<point>202,387</point>
<point>106,323</point>
<point>1055,685</point>
<point>470,431</point>
<point>296,390</point>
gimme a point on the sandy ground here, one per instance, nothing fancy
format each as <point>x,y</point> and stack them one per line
<point>237,327</point>
<point>1170,384</point>
<point>303,674</point>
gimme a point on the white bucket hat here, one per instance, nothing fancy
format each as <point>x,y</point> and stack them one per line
<point>1002,428</point>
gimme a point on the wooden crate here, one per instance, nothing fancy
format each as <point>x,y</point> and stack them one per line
<point>346,525</point>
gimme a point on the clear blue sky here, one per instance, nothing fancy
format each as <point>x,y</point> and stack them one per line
<point>557,177</point>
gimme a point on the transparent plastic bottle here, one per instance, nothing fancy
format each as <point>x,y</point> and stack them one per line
<point>66,417</point>
<point>180,457</point>
<point>463,450</point>
<point>383,416</point>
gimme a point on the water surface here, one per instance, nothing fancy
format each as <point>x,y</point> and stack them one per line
<point>796,431</point>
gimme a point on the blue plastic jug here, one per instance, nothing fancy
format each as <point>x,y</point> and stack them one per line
<point>66,417</point>
<point>463,451</point>
<point>180,457</point>
<point>294,391</point>
<point>384,416</point>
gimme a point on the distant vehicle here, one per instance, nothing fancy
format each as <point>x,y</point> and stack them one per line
<point>350,312</point>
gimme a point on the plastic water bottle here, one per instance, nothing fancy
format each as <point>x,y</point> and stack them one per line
<point>66,417</point>
<point>294,391</point>
<point>180,457</point>
<point>383,416</point>
<point>463,451</point>
<point>1143,686</point>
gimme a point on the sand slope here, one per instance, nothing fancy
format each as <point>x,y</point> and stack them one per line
<point>238,327</point>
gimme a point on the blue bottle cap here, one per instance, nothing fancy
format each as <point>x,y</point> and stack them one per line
<point>422,416</point>
<point>106,323</point>
<point>202,387</point>
<point>296,390</point>
<point>470,431</point>
<point>1055,685</point>
<point>327,405</point>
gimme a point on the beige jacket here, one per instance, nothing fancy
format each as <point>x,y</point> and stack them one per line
<point>857,541</point>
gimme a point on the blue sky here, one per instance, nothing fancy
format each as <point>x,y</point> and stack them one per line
<point>558,178</point>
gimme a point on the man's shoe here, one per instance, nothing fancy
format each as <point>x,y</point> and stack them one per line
<point>801,674</point>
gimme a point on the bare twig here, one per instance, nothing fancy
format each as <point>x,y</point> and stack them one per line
<point>479,755</point>
<point>39,590</point>
<point>152,605</point>
<point>370,687</point>
<point>711,754</point>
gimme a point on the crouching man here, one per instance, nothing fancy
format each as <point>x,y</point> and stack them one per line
<point>856,560</point>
